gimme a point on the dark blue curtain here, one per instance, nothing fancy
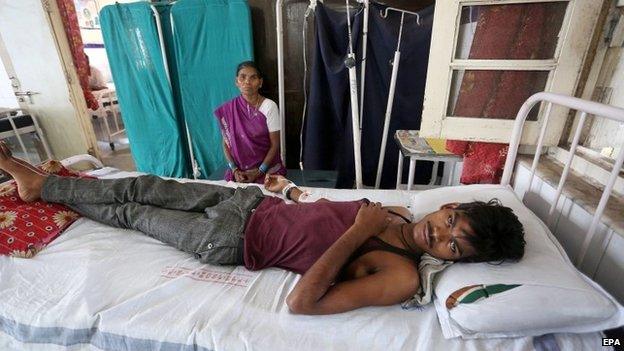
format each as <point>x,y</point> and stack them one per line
<point>328,141</point>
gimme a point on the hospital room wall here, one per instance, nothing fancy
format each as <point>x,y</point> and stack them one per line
<point>607,136</point>
<point>265,48</point>
<point>30,44</point>
<point>7,98</point>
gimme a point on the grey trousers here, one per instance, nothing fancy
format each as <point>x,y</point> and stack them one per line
<point>204,219</point>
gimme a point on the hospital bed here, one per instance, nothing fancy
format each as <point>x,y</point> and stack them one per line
<point>97,287</point>
<point>108,107</point>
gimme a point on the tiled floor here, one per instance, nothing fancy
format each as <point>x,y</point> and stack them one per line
<point>119,158</point>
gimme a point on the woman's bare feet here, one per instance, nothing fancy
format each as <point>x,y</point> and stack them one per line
<point>29,182</point>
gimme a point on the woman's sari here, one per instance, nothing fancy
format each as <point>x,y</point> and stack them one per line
<point>244,129</point>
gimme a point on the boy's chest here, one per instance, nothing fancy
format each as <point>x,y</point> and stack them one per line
<point>373,262</point>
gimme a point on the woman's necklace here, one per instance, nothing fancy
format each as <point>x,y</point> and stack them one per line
<point>255,106</point>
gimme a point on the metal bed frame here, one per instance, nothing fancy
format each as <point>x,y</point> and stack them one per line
<point>10,115</point>
<point>70,161</point>
<point>109,107</point>
<point>584,107</point>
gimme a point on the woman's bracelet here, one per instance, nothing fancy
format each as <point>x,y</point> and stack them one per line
<point>232,166</point>
<point>263,168</point>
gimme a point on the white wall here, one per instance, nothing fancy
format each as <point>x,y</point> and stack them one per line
<point>604,132</point>
<point>28,39</point>
<point>7,99</point>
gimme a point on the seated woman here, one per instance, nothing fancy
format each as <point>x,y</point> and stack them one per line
<point>250,126</point>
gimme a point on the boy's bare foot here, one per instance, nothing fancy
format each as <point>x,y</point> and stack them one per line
<point>29,182</point>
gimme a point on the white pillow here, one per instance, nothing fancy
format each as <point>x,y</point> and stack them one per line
<point>554,296</point>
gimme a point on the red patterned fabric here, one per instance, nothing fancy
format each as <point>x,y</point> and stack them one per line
<point>26,228</point>
<point>483,162</point>
<point>503,32</point>
<point>72,29</point>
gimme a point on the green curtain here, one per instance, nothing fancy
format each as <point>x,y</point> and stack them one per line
<point>210,37</point>
<point>145,96</point>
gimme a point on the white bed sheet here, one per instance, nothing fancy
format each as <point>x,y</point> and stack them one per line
<point>98,287</point>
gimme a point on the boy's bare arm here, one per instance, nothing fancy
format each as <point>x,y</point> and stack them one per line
<point>316,293</point>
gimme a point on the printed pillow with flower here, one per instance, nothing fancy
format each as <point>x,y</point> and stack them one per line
<point>26,228</point>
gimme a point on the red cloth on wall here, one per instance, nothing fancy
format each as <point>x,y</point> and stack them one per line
<point>26,228</point>
<point>503,32</point>
<point>483,162</point>
<point>72,30</point>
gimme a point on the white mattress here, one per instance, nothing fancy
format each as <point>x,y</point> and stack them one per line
<point>97,287</point>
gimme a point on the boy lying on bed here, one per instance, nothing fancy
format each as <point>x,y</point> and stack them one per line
<point>351,254</point>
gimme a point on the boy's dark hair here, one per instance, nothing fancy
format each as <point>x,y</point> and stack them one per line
<point>249,64</point>
<point>498,234</point>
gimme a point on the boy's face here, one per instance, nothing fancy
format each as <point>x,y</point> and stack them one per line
<point>443,234</point>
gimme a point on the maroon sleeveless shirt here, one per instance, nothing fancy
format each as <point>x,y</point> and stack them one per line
<point>294,236</point>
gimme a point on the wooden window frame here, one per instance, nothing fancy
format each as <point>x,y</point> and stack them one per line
<point>564,71</point>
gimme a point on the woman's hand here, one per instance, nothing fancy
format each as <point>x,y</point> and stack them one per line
<point>240,176</point>
<point>275,183</point>
<point>372,218</point>
<point>252,174</point>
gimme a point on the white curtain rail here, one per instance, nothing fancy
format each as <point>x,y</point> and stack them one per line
<point>194,164</point>
<point>363,64</point>
<point>390,101</point>
<point>279,28</point>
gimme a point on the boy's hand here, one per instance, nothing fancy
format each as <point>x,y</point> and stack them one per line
<point>275,183</point>
<point>372,218</point>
